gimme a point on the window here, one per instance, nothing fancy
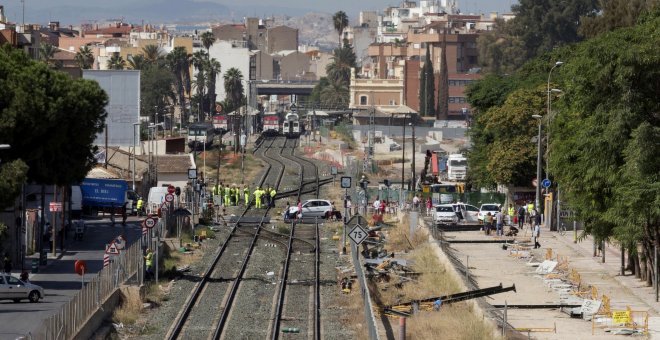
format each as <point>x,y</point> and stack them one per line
<point>471,208</point>
<point>363,100</point>
<point>12,280</point>
<point>392,102</point>
<point>444,209</point>
<point>457,100</point>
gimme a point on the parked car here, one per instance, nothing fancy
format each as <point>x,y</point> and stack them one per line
<point>12,288</point>
<point>444,214</point>
<point>395,147</point>
<point>312,208</point>
<point>486,208</point>
<point>467,212</point>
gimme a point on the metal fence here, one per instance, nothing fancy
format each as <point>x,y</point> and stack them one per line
<point>74,314</point>
<point>369,316</point>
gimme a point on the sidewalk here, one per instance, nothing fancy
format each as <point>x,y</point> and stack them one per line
<point>490,265</point>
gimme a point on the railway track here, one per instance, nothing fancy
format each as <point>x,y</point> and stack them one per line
<point>240,288</point>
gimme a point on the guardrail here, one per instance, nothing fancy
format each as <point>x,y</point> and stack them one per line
<point>74,314</point>
<point>369,316</point>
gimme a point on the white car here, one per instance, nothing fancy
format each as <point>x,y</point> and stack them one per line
<point>467,212</point>
<point>444,214</point>
<point>312,208</point>
<point>12,288</point>
<point>486,208</point>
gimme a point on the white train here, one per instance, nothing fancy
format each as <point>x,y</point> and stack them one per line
<point>291,125</point>
<point>271,124</point>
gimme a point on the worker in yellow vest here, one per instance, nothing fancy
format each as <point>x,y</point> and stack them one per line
<point>237,195</point>
<point>511,213</point>
<point>257,198</point>
<point>272,194</point>
<point>246,193</point>
<point>226,194</point>
<point>140,204</point>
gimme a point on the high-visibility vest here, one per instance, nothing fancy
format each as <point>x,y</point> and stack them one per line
<point>140,202</point>
<point>226,191</point>
<point>149,259</point>
<point>273,193</point>
<point>257,194</point>
<point>530,207</point>
<point>511,211</point>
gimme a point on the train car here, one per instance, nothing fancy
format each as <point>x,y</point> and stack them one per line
<point>271,124</point>
<point>220,123</point>
<point>200,135</point>
<point>291,126</point>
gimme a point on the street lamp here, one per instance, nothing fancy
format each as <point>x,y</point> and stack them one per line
<point>412,166</point>
<point>549,91</point>
<point>135,136</point>
<point>538,164</point>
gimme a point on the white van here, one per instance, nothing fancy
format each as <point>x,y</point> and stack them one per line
<point>155,199</point>
<point>76,201</point>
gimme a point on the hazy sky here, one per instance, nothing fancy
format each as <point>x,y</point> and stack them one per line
<point>45,10</point>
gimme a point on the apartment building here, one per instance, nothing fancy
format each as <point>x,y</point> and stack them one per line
<point>259,34</point>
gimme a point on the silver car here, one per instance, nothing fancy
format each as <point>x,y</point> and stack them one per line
<point>12,288</point>
<point>313,208</point>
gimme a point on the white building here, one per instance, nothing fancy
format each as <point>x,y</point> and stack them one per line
<point>230,55</point>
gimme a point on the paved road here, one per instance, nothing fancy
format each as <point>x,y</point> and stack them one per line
<point>58,278</point>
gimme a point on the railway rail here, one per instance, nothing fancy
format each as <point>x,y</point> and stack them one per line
<point>234,290</point>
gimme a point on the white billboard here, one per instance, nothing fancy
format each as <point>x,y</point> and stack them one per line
<point>123,89</point>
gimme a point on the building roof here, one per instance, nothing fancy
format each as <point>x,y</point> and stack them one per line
<point>101,172</point>
<point>175,163</point>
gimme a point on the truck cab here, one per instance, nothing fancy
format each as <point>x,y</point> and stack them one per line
<point>456,167</point>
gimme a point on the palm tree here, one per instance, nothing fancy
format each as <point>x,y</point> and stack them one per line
<point>335,94</point>
<point>46,54</point>
<point>199,61</point>
<point>152,53</point>
<point>234,86</point>
<point>207,40</point>
<point>84,58</point>
<point>179,63</point>
<point>340,21</point>
<point>234,90</point>
<point>339,70</point>
<point>116,62</point>
<point>137,62</point>
<point>213,68</point>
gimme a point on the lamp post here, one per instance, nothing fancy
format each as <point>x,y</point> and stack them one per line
<point>412,166</point>
<point>155,152</point>
<point>538,164</point>
<point>135,136</point>
<point>403,161</point>
<point>549,91</point>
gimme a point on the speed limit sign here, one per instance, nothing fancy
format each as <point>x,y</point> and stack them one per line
<point>149,222</point>
<point>169,198</point>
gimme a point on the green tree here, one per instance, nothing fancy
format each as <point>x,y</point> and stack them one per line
<point>340,22</point>
<point>137,62</point>
<point>84,58</point>
<point>152,53</point>
<point>335,95</point>
<point>599,145</point>
<point>207,40</point>
<point>157,88</point>
<point>233,81</point>
<point>500,51</point>
<point>339,70</point>
<point>47,53</point>
<point>427,86</point>
<point>616,14</point>
<point>116,62</point>
<point>213,69</point>
<point>443,84</point>
<point>503,152</point>
<point>49,119</point>
<point>13,176</point>
<point>179,64</point>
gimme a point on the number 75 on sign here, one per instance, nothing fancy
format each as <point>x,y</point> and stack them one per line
<point>358,234</point>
